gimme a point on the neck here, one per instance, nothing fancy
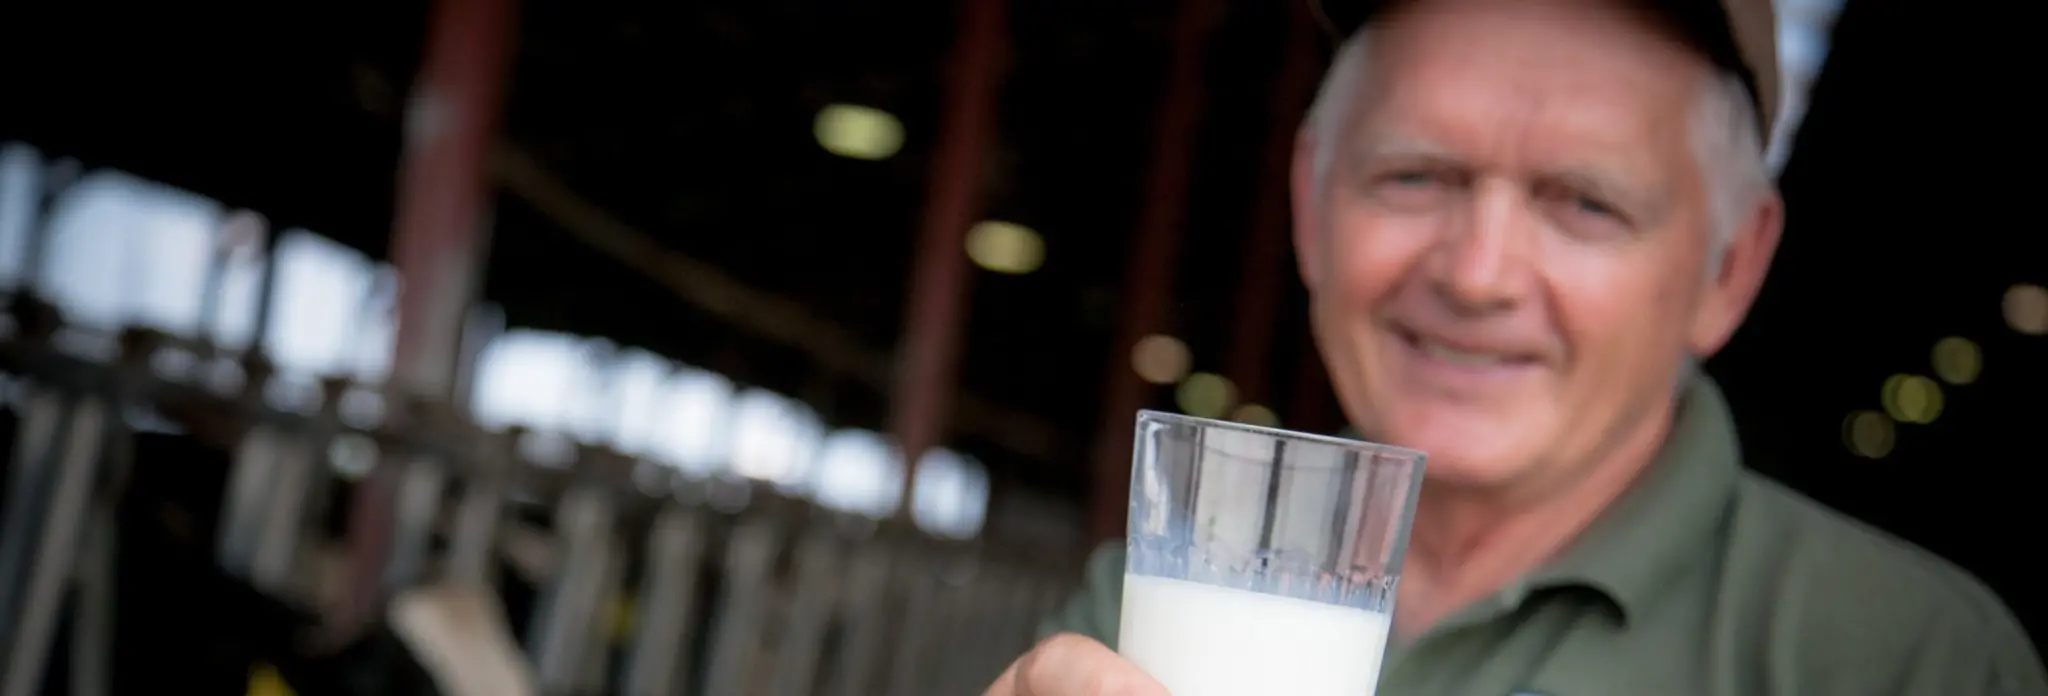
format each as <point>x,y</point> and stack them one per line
<point>1469,542</point>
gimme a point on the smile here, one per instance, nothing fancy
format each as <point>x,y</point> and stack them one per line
<point>1462,358</point>
<point>1464,366</point>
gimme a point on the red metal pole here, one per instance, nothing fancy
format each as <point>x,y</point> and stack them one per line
<point>437,242</point>
<point>1148,282</point>
<point>440,234</point>
<point>941,280</point>
<point>1251,335</point>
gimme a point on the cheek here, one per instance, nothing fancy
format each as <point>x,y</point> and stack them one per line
<point>1369,255</point>
<point>1620,315</point>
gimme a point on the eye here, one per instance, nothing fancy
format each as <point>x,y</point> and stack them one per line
<point>1581,210</point>
<point>1420,177</point>
<point>1593,207</point>
<point>1412,178</point>
<point>1415,189</point>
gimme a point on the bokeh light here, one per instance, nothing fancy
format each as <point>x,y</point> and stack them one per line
<point>1160,359</point>
<point>858,132</point>
<point>2026,309</point>
<point>1005,247</point>
<point>1957,360</point>
<point>1912,399</point>
<point>1868,434</point>
<point>1206,395</point>
<point>1254,414</point>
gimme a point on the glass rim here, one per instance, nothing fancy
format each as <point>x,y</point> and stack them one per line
<point>1414,456</point>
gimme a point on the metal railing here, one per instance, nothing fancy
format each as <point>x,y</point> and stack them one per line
<point>649,583</point>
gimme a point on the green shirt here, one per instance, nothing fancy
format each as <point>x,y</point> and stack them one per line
<point>1704,579</point>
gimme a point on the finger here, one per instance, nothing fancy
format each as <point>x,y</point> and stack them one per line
<point>1072,665</point>
<point>1005,685</point>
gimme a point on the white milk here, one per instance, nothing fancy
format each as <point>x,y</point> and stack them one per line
<point>1202,640</point>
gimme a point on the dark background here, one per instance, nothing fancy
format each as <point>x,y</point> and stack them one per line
<point>1911,197</point>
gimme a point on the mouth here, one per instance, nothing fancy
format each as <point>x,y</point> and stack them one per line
<point>1465,358</point>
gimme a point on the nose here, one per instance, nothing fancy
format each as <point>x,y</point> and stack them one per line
<point>1480,264</point>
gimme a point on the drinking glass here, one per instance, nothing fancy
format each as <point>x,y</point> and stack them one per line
<point>1262,561</point>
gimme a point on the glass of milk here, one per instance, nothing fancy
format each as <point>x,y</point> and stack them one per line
<point>1262,561</point>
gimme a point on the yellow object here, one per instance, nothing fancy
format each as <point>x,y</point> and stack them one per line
<point>265,681</point>
<point>622,618</point>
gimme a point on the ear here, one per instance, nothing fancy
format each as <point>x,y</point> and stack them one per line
<point>1733,288</point>
<point>1307,214</point>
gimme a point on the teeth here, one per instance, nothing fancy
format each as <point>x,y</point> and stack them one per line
<point>1459,357</point>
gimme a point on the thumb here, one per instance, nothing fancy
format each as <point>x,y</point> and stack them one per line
<point>1072,665</point>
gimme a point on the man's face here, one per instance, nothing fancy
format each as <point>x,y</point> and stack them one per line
<point>1508,256</point>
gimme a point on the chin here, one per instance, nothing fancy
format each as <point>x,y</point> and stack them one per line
<point>1451,468</point>
<point>1468,454</point>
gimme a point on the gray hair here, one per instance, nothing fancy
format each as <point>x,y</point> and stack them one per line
<point>1725,137</point>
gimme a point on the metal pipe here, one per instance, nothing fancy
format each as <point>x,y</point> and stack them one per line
<point>659,660</point>
<point>439,238</point>
<point>52,552</point>
<point>930,356</point>
<point>438,243</point>
<point>566,622</point>
<point>1152,260</point>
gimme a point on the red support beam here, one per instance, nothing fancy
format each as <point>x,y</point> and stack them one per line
<point>440,237</point>
<point>1154,255</point>
<point>928,363</point>
<point>1265,255</point>
<point>438,243</point>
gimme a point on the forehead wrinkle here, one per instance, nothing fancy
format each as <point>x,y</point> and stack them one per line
<point>1368,148</point>
<point>1498,79</point>
<point>1544,120</point>
<point>1566,143</point>
<point>1517,147</point>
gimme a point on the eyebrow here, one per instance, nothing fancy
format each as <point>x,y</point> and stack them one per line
<point>1590,181</point>
<point>1402,148</point>
<point>1649,199</point>
<point>1601,181</point>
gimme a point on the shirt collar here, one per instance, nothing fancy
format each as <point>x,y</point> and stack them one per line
<point>1668,522</point>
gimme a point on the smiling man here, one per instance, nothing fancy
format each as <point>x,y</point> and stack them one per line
<point>1521,223</point>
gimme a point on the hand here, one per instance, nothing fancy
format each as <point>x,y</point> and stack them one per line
<point>1071,665</point>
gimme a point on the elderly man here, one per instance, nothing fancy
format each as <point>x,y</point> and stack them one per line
<point>1521,223</point>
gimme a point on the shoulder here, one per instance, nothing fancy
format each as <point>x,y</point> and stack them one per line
<point>1846,608</point>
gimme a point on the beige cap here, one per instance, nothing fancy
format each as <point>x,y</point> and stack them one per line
<point>1738,35</point>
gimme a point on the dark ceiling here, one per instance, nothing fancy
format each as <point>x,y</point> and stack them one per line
<point>693,124</point>
<point>691,121</point>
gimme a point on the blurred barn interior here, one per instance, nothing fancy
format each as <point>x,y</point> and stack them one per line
<point>737,257</point>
